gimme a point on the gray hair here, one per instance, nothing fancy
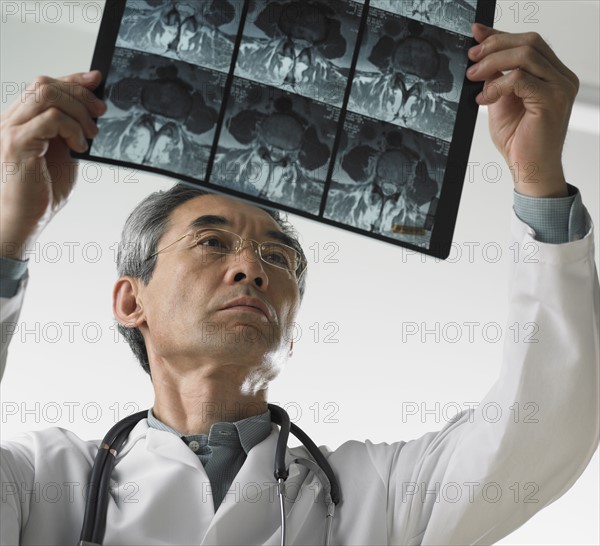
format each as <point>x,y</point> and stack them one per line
<point>144,228</point>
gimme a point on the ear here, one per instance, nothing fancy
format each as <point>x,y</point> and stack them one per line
<point>127,307</point>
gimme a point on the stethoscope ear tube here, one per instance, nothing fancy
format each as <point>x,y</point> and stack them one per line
<point>281,418</point>
<point>92,531</point>
<point>330,484</point>
<point>321,461</point>
<point>88,518</point>
<point>104,486</point>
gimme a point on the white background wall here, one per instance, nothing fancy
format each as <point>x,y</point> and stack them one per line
<point>68,368</point>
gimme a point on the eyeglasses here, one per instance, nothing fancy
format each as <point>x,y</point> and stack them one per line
<point>216,241</point>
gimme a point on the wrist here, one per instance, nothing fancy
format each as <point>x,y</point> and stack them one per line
<point>16,240</point>
<point>551,183</point>
<point>16,250</point>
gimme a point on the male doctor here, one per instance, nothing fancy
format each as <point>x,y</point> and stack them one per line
<point>181,451</point>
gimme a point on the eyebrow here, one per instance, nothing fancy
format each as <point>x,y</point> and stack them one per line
<point>213,220</point>
<point>209,220</point>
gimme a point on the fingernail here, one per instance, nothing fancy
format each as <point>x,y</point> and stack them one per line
<point>83,142</point>
<point>88,76</point>
<point>472,70</point>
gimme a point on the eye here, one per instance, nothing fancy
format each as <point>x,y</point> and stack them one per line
<point>279,256</point>
<point>214,241</point>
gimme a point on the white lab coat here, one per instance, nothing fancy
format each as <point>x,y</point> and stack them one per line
<point>448,487</point>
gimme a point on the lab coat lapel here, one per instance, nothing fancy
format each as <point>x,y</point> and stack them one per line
<point>249,513</point>
<point>172,489</point>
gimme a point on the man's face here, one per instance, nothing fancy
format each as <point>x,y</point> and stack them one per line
<point>187,304</point>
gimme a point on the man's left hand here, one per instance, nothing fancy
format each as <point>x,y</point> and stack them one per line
<point>530,94</point>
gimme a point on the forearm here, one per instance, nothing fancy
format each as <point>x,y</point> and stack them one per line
<point>544,427</point>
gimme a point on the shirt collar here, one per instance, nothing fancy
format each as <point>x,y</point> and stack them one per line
<point>246,432</point>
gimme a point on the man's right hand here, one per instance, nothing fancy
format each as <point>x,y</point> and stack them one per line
<point>52,117</point>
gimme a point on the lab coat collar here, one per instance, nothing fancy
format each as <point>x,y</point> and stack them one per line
<point>248,431</point>
<point>170,446</point>
<point>139,432</point>
<point>160,442</point>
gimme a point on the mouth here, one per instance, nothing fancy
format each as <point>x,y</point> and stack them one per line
<point>251,305</point>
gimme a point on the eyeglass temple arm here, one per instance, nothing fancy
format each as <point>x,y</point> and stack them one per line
<point>168,246</point>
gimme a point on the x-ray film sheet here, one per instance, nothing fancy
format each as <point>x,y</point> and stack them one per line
<point>352,113</point>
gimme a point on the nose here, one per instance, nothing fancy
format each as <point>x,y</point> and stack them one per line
<point>246,267</point>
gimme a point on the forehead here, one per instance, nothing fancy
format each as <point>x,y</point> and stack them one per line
<point>243,216</point>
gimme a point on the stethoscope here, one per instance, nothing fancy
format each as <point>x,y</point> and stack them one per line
<point>94,520</point>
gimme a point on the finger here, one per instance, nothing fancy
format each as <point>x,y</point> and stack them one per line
<point>84,83</point>
<point>46,93</point>
<point>491,41</point>
<point>32,139</point>
<point>91,79</point>
<point>530,89</point>
<point>73,86</point>
<point>481,32</point>
<point>523,57</point>
<point>76,85</point>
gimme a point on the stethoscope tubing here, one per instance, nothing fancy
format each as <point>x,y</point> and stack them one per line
<point>94,521</point>
<point>281,418</point>
<point>104,487</point>
<point>93,528</point>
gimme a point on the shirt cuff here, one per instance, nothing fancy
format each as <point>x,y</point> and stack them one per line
<point>555,220</point>
<point>12,273</point>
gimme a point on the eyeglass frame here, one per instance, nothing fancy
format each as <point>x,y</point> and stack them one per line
<point>303,263</point>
